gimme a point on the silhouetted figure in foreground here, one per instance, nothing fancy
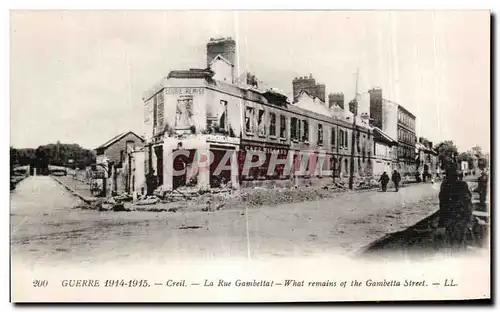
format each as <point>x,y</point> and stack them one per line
<point>396,178</point>
<point>384,180</point>
<point>482,187</point>
<point>455,208</point>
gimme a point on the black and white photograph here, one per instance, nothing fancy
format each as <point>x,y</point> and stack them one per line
<point>249,156</point>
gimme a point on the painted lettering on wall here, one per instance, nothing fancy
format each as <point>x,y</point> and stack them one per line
<point>222,139</point>
<point>184,91</point>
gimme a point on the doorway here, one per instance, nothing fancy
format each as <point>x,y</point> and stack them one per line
<point>159,163</point>
<point>181,163</point>
<point>224,176</point>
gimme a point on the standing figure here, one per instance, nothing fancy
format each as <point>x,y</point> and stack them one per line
<point>396,178</point>
<point>455,208</point>
<point>482,187</point>
<point>384,180</point>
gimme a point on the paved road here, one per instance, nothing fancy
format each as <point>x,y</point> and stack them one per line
<point>35,203</point>
<point>46,227</point>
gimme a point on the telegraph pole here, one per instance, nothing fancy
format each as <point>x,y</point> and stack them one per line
<point>353,142</point>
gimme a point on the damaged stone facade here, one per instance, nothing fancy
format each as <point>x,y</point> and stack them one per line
<point>197,121</point>
<point>309,85</point>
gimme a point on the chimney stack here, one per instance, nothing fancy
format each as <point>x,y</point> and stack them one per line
<point>309,85</point>
<point>336,99</point>
<point>225,47</point>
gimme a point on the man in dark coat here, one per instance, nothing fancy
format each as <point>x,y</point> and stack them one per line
<point>482,187</point>
<point>384,179</point>
<point>396,178</point>
<point>455,208</point>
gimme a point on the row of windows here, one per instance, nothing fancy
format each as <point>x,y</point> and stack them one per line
<point>406,136</point>
<point>406,119</point>
<point>381,150</point>
<point>406,152</point>
<point>337,165</point>
<point>299,128</point>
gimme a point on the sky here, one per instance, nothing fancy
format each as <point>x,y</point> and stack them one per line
<point>79,76</point>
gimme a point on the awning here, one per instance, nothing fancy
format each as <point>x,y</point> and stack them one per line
<point>381,136</point>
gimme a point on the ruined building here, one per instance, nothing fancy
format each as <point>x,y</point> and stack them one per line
<point>221,58</point>
<point>336,99</point>
<point>201,119</point>
<point>309,85</point>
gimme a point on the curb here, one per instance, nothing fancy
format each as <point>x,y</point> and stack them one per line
<point>387,236</point>
<point>73,192</point>
<point>16,183</point>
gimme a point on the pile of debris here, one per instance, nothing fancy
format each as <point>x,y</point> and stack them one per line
<point>335,185</point>
<point>215,199</point>
<point>274,196</point>
<point>181,198</point>
<point>367,184</point>
<point>122,202</point>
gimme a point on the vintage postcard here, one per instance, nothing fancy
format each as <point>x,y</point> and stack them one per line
<point>249,156</point>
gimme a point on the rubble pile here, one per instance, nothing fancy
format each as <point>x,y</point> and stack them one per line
<point>192,199</point>
<point>273,196</point>
<point>367,184</point>
<point>122,202</point>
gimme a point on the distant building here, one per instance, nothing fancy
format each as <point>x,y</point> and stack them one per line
<point>115,158</point>
<point>114,150</point>
<point>464,166</point>
<point>397,122</point>
<point>407,139</point>
<point>383,113</point>
<point>385,153</point>
<point>427,161</point>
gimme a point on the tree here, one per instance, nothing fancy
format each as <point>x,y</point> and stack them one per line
<point>477,151</point>
<point>464,156</point>
<point>483,161</point>
<point>54,154</point>
<point>448,153</point>
<point>14,157</point>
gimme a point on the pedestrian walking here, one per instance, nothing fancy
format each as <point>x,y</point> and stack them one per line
<point>455,208</point>
<point>384,180</point>
<point>396,178</point>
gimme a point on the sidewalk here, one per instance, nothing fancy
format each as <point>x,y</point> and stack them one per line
<point>76,187</point>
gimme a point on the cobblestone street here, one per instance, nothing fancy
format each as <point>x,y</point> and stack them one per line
<point>46,227</point>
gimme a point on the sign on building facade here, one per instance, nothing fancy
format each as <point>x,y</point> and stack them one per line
<point>184,91</point>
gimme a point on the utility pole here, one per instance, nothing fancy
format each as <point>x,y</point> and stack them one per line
<point>353,142</point>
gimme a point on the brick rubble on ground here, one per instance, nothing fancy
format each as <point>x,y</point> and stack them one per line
<point>192,199</point>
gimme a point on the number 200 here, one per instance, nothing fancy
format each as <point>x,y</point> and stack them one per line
<point>40,283</point>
